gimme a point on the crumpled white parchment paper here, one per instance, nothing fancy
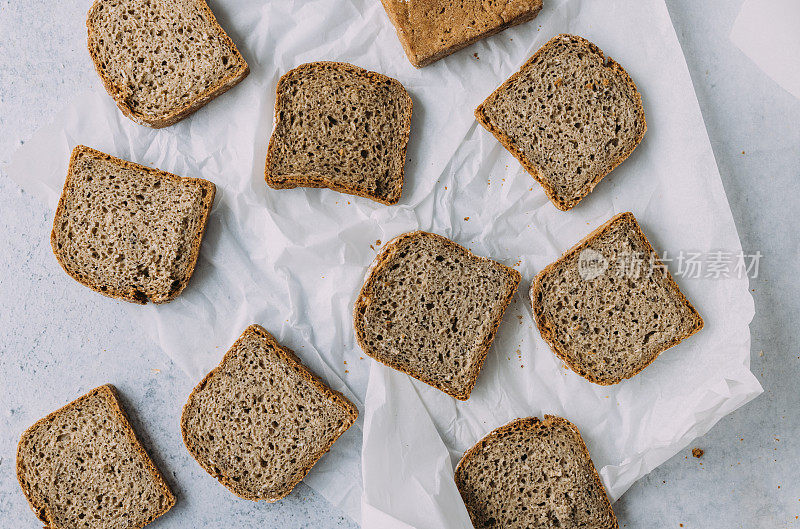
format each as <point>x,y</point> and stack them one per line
<point>769,33</point>
<point>294,260</point>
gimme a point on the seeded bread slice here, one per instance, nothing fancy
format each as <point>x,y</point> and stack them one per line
<point>341,127</point>
<point>82,466</point>
<point>603,311</point>
<point>432,29</point>
<point>129,231</point>
<point>161,60</point>
<point>430,308</point>
<point>570,116</point>
<point>531,473</point>
<point>260,420</point>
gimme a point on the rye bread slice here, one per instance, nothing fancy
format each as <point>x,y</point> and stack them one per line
<point>260,420</point>
<point>82,466</point>
<point>432,29</point>
<point>129,231</point>
<point>570,115</point>
<point>605,310</point>
<point>341,127</point>
<point>161,60</point>
<point>430,308</point>
<point>531,473</point>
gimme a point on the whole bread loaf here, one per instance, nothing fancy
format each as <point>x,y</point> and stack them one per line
<point>432,29</point>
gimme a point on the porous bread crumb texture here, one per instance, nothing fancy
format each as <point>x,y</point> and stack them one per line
<point>570,115</point>
<point>430,308</point>
<point>129,231</point>
<point>432,29</point>
<point>82,467</point>
<point>610,327</point>
<point>342,127</point>
<point>260,421</point>
<point>161,59</point>
<point>531,473</point>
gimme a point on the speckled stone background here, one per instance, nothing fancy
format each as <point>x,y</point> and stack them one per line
<point>58,339</point>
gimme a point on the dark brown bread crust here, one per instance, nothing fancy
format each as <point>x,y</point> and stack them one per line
<point>192,106</point>
<point>392,248</point>
<point>130,295</point>
<point>319,181</point>
<point>420,58</point>
<point>109,392</point>
<point>295,364</point>
<point>547,329</point>
<point>531,423</point>
<point>508,143</point>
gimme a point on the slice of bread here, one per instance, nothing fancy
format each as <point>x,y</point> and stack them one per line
<point>129,231</point>
<point>608,307</point>
<point>82,466</point>
<point>432,29</point>
<point>570,116</point>
<point>531,473</point>
<point>430,308</point>
<point>341,127</point>
<point>260,420</point>
<point>161,60</point>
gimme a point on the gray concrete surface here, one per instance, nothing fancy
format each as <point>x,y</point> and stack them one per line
<point>57,341</point>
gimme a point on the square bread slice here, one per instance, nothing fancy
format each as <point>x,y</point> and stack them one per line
<point>260,420</point>
<point>161,60</point>
<point>129,231</point>
<point>341,127</point>
<point>82,466</point>
<point>608,307</point>
<point>432,29</point>
<point>531,473</point>
<point>570,115</point>
<point>430,308</point>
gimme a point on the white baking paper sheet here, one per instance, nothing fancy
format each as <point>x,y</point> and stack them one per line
<point>293,260</point>
<point>768,31</point>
